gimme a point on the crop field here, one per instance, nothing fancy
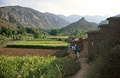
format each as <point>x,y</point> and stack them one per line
<point>62,37</point>
<point>30,67</point>
<point>40,44</point>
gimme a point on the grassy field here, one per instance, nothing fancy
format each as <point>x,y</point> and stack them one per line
<point>61,37</point>
<point>40,43</point>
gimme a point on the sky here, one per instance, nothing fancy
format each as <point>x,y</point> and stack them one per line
<point>69,7</point>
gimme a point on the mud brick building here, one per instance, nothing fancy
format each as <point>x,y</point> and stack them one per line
<point>82,42</point>
<point>107,31</point>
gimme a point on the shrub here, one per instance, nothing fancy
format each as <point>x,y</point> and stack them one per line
<point>103,48</point>
<point>70,67</point>
<point>37,67</point>
<point>29,67</point>
<point>72,56</point>
<point>107,66</point>
<point>1,41</point>
<point>106,61</point>
<point>36,46</point>
<point>61,54</point>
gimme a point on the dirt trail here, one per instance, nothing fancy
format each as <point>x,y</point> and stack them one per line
<point>84,66</point>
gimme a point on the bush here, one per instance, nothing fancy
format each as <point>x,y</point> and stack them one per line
<point>70,67</point>
<point>61,54</point>
<point>106,62</point>
<point>37,67</point>
<point>103,48</point>
<point>1,41</point>
<point>36,46</point>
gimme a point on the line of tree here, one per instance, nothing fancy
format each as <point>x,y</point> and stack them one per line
<point>22,31</point>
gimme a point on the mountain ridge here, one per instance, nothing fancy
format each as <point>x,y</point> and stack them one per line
<point>27,17</point>
<point>75,17</point>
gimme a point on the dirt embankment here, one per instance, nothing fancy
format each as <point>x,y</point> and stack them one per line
<point>24,52</point>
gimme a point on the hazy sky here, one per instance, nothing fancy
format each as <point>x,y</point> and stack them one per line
<point>68,7</point>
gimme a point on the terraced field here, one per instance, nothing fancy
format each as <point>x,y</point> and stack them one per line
<point>40,44</point>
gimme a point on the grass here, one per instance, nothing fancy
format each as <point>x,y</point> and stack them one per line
<point>40,43</point>
<point>61,37</point>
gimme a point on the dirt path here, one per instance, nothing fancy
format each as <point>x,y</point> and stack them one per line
<point>82,71</point>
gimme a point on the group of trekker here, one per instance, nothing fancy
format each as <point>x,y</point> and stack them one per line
<point>76,49</point>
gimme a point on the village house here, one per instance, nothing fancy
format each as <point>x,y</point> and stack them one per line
<point>82,42</point>
<point>107,31</point>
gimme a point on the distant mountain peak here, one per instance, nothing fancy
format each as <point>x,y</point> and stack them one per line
<point>81,24</point>
<point>82,19</point>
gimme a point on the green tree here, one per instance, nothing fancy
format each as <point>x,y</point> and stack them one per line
<point>6,31</point>
<point>54,32</point>
<point>30,30</point>
<point>36,33</point>
<point>21,30</point>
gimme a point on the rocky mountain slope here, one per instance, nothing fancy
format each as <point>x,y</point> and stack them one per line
<point>28,17</point>
<point>4,23</point>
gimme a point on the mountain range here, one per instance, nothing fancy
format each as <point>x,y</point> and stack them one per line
<point>106,21</point>
<point>27,17</point>
<point>74,18</point>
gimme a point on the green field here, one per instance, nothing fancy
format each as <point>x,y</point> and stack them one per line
<point>61,37</point>
<point>30,67</point>
<point>40,43</point>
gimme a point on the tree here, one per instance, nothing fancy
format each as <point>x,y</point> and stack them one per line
<point>21,30</point>
<point>36,33</point>
<point>54,32</point>
<point>30,30</point>
<point>6,31</point>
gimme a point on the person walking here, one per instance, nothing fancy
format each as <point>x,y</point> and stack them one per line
<point>78,52</point>
<point>75,48</point>
<point>70,48</point>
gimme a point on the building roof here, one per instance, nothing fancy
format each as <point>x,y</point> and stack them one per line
<point>103,25</point>
<point>93,32</point>
<point>114,18</point>
<point>83,37</point>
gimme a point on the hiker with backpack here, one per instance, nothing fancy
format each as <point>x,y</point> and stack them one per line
<point>78,51</point>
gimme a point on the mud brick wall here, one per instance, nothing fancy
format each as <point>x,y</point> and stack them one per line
<point>107,31</point>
